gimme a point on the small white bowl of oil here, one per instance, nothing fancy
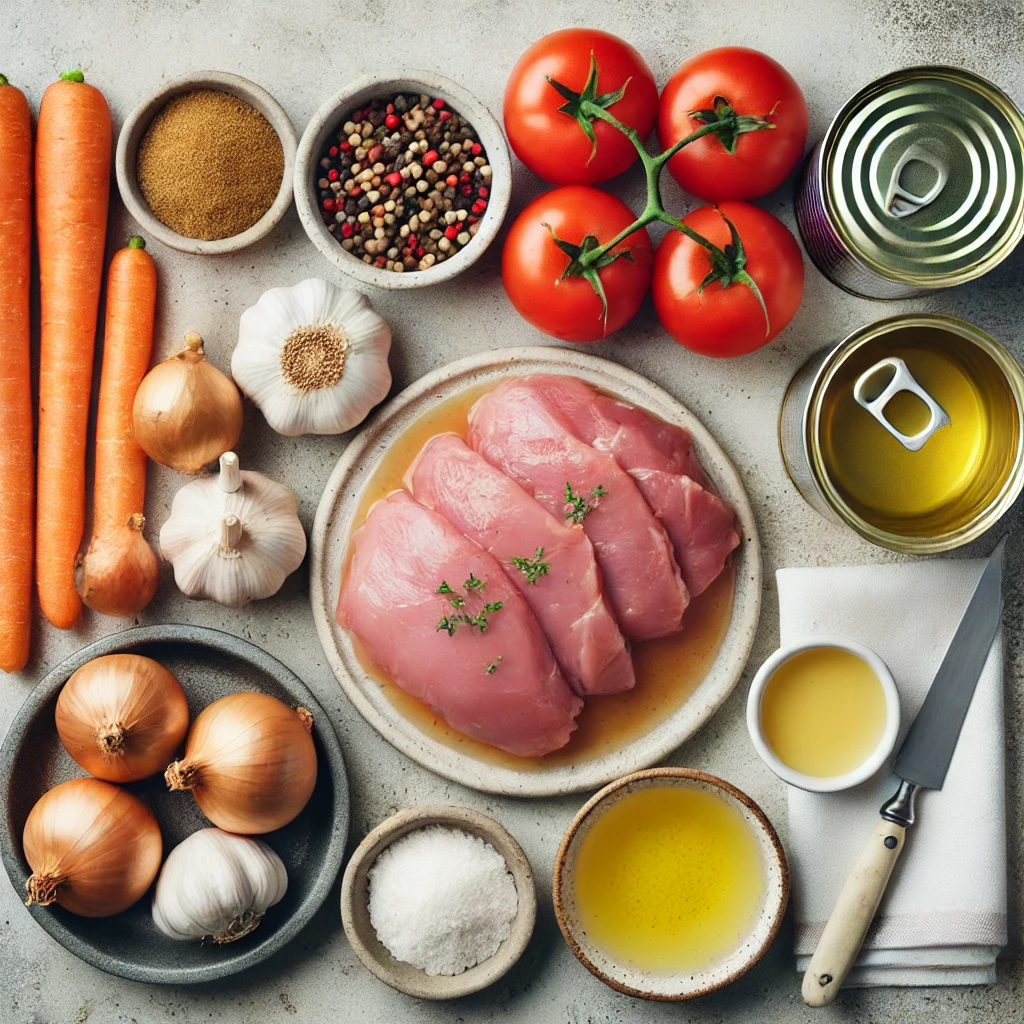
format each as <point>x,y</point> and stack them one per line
<point>824,713</point>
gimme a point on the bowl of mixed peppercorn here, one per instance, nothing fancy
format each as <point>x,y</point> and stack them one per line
<point>402,182</point>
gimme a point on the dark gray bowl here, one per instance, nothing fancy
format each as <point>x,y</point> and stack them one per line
<point>209,664</point>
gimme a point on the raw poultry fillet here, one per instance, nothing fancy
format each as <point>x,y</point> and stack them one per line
<point>660,458</point>
<point>500,683</point>
<point>567,597</point>
<point>513,428</point>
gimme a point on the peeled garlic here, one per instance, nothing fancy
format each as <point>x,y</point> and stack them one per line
<point>217,884</point>
<point>233,538</point>
<point>313,357</point>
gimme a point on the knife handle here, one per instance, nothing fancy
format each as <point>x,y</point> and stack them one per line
<point>852,915</point>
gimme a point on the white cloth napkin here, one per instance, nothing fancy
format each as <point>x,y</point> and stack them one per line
<point>943,919</point>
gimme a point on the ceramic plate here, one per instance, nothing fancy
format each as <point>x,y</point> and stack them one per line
<point>208,664</point>
<point>333,525</point>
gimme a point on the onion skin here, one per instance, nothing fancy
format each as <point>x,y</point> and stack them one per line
<point>122,717</point>
<point>250,763</point>
<point>94,848</point>
<point>187,413</point>
<point>119,573</point>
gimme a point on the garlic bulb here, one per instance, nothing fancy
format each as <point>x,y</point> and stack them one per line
<point>313,357</point>
<point>233,538</point>
<point>217,884</point>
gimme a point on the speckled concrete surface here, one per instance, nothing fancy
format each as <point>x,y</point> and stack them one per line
<point>302,51</point>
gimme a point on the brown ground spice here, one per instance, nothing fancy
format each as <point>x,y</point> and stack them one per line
<point>209,165</point>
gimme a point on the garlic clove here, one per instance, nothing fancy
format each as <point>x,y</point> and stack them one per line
<point>218,885</point>
<point>313,357</point>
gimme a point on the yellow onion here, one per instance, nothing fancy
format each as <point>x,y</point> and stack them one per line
<point>122,717</point>
<point>119,572</point>
<point>249,761</point>
<point>187,413</point>
<point>93,848</point>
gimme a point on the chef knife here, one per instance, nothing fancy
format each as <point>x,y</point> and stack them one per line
<point>921,764</point>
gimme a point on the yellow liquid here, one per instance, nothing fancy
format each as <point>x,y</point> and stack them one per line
<point>669,879</point>
<point>823,711</point>
<point>667,670</point>
<point>961,469</point>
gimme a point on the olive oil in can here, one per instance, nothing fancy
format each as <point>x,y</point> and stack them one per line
<point>909,431</point>
<point>917,184</point>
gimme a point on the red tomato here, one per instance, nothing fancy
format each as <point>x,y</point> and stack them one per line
<point>551,143</point>
<point>532,264</point>
<point>728,321</point>
<point>753,84</point>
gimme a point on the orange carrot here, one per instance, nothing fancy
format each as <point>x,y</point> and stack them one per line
<point>118,574</point>
<point>73,142</point>
<point>15,383</point>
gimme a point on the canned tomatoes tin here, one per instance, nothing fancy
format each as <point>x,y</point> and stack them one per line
<point>909,431</point>
<point>918,184</point>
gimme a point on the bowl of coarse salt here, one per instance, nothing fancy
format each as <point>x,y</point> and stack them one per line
<point>438,902</point>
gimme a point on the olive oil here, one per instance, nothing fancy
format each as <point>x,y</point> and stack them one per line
<point>962,468</point>
<point>823,711</point>
<point>668,670</point>
<point>669,879</point>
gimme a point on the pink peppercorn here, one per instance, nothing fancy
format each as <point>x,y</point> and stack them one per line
<point>444,115</point>
<point>479,206</point>
<point>346,147</point>
<point>429,157</point>
<point>333,151</point>
<point>328,204</point>
<point>346,230</point>
<point>466,190</point>
<point>332,174</point>
<point>476,149</point>
<point>483,191</point>
<point>394,178</point>
<point>451,180</point>
<point>438,103</point>
<point>392,121</point>
<point>451,231</point>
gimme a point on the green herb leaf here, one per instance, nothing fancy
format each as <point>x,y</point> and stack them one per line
<point>532,568</point>
<point>493,667</point>
<point>449,624</point>
<point>444,588</point>
<point>578,507</point>
<point>473,583</point>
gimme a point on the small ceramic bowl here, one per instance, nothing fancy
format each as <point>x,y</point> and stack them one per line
<point>336,110</point>
<point>833,783</point>
<point>355,913</point>
<point>134,129</point>
<point>628,977</point>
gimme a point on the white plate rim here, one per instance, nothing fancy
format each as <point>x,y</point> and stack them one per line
<point>340,500</point>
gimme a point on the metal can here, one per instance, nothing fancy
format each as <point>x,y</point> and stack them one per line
<point>917,184</point>
<point>910,431</point>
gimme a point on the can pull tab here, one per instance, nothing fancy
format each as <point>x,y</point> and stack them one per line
<point>902,380</point>
<point>901,201</point>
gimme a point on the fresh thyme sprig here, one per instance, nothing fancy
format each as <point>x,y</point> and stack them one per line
<point>532,568</point>
<point>450,622</point>
<point>579,507</point>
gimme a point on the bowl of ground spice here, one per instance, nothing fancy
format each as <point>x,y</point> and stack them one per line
<point>205,163</point>
<point>402,183</point>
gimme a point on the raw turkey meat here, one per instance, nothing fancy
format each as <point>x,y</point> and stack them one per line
<point>514,429</point>
<point>495,680</point>
<point>661,459</point>
<point>493,510</point>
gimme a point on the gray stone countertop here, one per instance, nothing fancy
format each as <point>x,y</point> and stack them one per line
<point>302,52</point>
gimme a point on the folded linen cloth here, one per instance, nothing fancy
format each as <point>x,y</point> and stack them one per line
<point>943,918</point>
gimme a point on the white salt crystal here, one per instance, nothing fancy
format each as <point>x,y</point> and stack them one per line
<point>441,899</point>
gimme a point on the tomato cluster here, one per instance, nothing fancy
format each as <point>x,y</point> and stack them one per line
<point>579,105</point>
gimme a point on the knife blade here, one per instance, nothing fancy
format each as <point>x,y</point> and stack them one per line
<point>928,747</point>
<point>922,762</point>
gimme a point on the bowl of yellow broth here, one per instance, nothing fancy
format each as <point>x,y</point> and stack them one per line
<point>670,884</point>
<point>824,713</point>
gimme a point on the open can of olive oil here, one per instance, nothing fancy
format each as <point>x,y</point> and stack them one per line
<point>909,431</point>
<point>917,184</point>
